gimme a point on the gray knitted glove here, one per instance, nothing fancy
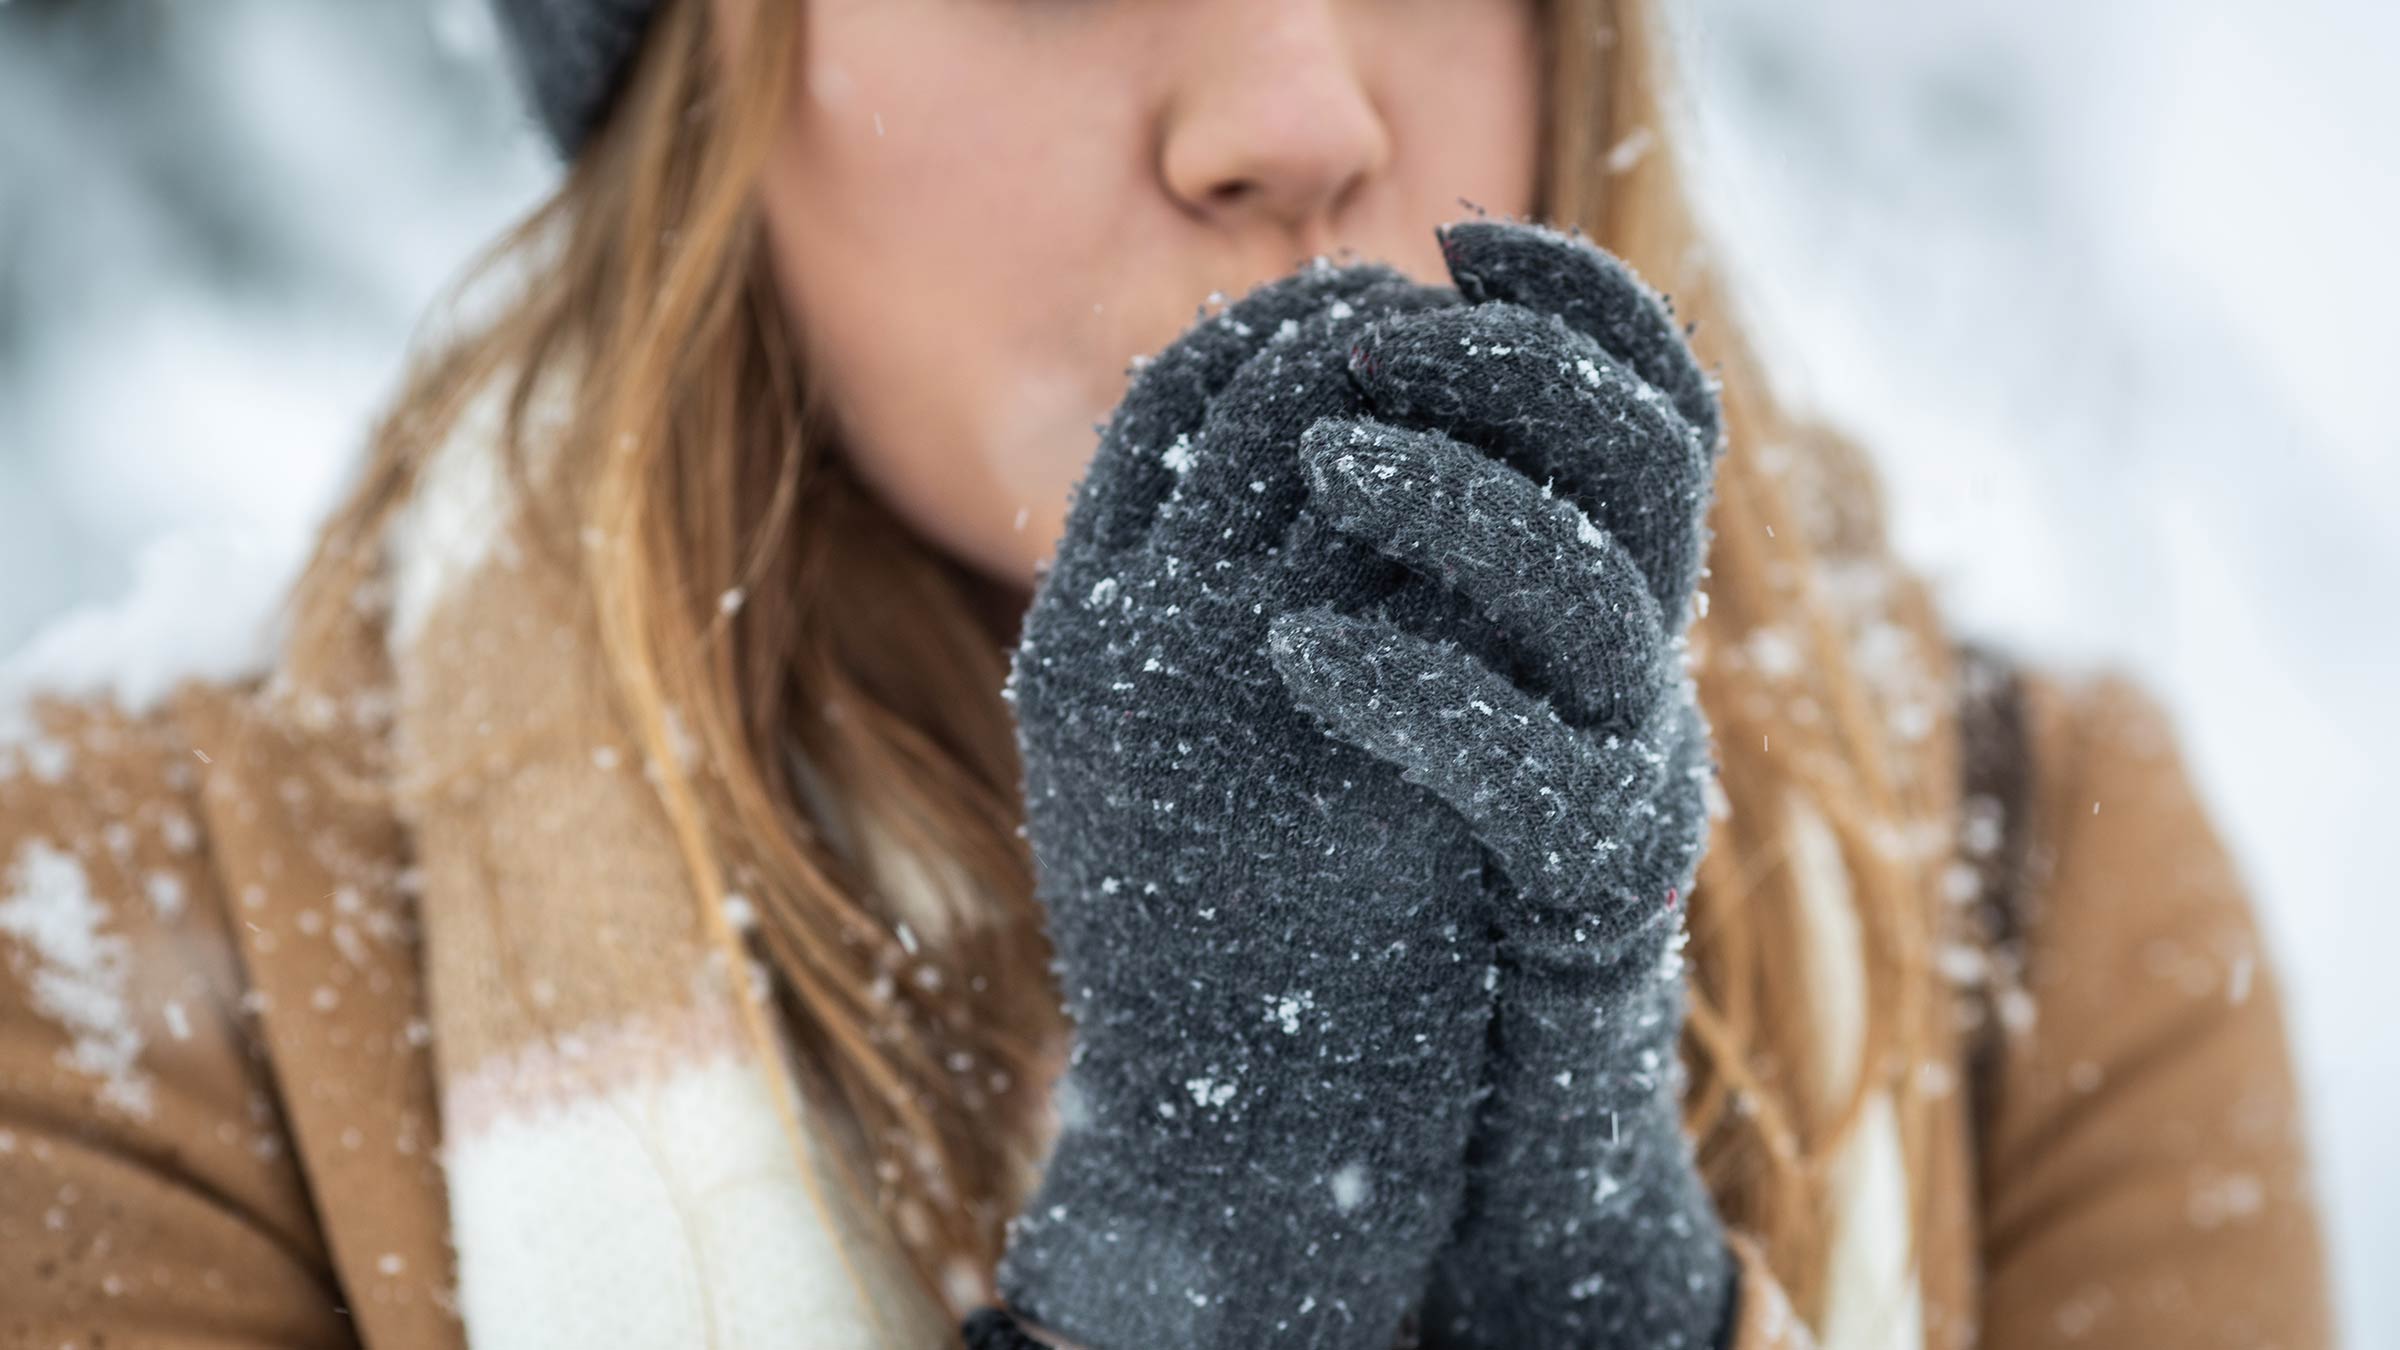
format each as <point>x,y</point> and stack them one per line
<point>1266,938</point>
<point>1582,762</point>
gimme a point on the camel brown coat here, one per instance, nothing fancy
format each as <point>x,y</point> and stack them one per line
<point>218,1122</point>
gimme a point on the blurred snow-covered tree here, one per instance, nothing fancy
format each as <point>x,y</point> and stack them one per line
<point>217,223</point>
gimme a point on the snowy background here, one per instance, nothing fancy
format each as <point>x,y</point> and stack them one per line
<point>2107,287</point>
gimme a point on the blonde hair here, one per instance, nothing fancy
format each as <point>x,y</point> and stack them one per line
<point>858,766</point>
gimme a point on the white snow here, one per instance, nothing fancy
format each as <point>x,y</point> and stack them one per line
<point>741,915</point>
<point>165,890</point>
<point>1350,1187</point>
<point>1209,1091</point>
<point>1284,1011</point>
<point>75,970</point>
<point>200,606</point>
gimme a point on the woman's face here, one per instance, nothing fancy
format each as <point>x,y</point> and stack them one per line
<point>981,211</point>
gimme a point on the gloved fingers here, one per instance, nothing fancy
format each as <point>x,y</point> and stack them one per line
<point>1595,292</point>
<point>1574,603</point>
<point>1237,482</point>
<point>1560,810</point>
<point>1669,857</point>
<point>1548,400</point>
<point>1167,397</point>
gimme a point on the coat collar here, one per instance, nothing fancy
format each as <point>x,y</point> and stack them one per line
<point>317,882</point>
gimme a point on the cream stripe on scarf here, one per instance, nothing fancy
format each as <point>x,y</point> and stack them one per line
<point>1872,1301</point>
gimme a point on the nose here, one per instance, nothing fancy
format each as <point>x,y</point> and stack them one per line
<point>1271,125</point>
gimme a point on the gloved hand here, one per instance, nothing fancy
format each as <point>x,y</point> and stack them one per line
<point>1267,940</point>
<point>1580,757</point>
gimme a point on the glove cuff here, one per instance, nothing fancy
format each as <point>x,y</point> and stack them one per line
<point>1107,1256</point>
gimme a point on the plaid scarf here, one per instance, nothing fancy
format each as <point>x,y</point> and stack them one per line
<point>634,1157</point>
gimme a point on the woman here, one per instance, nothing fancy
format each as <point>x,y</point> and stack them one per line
<point>626,913</point>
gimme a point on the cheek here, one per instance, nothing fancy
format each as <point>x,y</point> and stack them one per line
<point>948,311</point>
<point>970,430</point>
<point>1463,89</point>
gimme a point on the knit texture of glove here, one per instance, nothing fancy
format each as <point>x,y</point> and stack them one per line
<point>1266,938</point>
<point>1547,450</point>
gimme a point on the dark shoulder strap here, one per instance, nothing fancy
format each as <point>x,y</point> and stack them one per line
<point>1997,773</point>
<point>1997,781</point>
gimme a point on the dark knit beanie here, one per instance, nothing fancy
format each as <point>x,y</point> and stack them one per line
<point>571,55</point>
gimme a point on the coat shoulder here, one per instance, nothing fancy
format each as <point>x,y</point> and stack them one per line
<point>2144,1168</point>
<point>141,1155</point>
